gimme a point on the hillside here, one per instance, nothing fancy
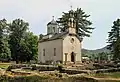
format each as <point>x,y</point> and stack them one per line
<point>87,52</point>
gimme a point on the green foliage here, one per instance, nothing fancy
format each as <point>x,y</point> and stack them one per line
<point>29,44</point>
<point>23,44</point>
<point>84,55</point>
<point>114,39</point>
<point>107,75</point>
<point>103,56</point>
<point>17,30</point>
<point>82,23</point>
<point>99,56</point>
<point>4,65</point>
<point>40,36</point>
<point>34,78</point>
<point>16,41</point>
<point>5,53</point>
<point>45,78</point>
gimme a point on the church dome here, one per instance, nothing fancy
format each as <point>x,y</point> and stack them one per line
<point>53,22</point>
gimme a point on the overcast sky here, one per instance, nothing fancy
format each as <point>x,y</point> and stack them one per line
<point>39,12</point>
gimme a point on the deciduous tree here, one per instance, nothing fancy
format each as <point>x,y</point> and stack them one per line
<point>5,53</point>
<point>17,31</point>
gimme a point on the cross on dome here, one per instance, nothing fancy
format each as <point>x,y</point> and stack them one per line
<point>53,17</point>
<point>71,7</point>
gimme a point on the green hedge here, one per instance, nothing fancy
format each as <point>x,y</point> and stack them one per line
<point>43,79</point>
<point>22,79</point>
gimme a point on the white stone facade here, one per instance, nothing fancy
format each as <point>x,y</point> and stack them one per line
<point>65,47</point>
<point>70,47</point>
<point>55,46</point>
<point>49,50</point>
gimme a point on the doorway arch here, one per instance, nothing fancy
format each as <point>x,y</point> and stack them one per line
<point>72,57</point>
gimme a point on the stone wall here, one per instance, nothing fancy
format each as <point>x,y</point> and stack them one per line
<point>49,51</point>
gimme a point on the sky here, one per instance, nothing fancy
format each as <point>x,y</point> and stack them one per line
<point>39,12</point>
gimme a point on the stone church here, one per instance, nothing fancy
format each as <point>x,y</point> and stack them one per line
<point>58,46</point>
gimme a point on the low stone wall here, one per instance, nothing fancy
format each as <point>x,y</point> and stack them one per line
<point>44,67</point>
<point>60,68</point>
<point>33,67</point>
<point>73,71</point>
<point>107,70</point>
<point>106,66</point>
<point>17,66</point>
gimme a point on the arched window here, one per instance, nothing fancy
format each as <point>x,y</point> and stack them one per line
<point>48,29</point>
<point>43,52</point>
<point>54,51</point>
<point>72,40</point>
<point>53,29</point>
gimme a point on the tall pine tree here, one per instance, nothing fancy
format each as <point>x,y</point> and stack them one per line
<point>114,40</point>
<point>83,25</point>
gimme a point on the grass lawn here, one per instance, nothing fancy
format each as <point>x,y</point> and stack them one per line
<point>107,75</point>
<point>4,65</point>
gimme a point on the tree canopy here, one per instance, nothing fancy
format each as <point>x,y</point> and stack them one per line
<point>17,42</point>
<point>5,53</point>
<point>17,31</point>
<point>83,25</point>
<point>114,39</point>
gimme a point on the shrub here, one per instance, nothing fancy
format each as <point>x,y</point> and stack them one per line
<point>9,68</point>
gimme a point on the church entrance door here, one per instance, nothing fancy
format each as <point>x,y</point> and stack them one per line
<point>72,57</point>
